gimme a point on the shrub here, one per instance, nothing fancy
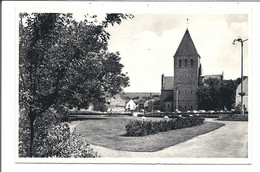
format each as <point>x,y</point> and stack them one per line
<point>234,117</point>
<point>210,115</point>
<point>80,115</point>
<point>143,128</point>
<point>51,138</point>
<point>59,142</point>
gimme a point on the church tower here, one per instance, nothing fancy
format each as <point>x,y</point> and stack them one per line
<point>187,71</point>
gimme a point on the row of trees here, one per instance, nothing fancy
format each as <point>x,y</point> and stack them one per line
<point>64,62</point>
<point>217,94</point>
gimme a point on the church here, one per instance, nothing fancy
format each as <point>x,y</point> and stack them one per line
<point>179,93</point>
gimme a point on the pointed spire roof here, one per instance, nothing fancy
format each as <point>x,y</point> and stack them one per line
<point>186,47</point>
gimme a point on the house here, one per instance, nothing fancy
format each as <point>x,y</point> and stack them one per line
<point>153,104</point>
<point>245,97</point>
<point>116,103</point>
<point>140,104</point>
<point>217,76</point>
<point>129,101</point>
<point>130,105</point>
<point>146,104</point>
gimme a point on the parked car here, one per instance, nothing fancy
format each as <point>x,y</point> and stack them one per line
<point>143,118</point>
<point>157,111</point>
<point>211,111</point>
<point>202,111</point>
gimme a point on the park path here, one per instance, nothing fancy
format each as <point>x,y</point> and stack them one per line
<point>229,141</point>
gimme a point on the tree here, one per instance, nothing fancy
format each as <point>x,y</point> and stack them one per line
<point>208,94</point>
<point>227,93</point>
<point>217,94</point>
<point>62,61</point>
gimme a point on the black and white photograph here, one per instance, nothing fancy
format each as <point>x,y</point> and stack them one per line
<point>133,85</point>
<point>113,84</point>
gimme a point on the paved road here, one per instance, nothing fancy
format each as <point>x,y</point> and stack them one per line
<point>229,141</point>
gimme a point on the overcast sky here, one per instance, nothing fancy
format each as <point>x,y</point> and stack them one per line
<point>148,42</point>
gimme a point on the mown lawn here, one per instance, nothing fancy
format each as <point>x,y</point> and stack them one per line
<point>109,132</point>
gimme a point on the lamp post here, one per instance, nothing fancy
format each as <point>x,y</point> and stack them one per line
<point>239,39</point>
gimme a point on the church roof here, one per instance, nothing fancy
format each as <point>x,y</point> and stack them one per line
<point>167,83</point>
<point>186,47</point>
<point>219,76</point>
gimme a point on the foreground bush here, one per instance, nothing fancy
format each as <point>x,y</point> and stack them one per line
<point>53,140</point>
<point>143,128</point>
<point>234,117</point>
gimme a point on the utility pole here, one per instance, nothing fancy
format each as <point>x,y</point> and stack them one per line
<point>241,93</point>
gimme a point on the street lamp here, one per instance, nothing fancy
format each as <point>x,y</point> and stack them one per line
<point>239,39</point>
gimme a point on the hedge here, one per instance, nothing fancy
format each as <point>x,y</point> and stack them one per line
<point>184,114</point>
<point>143,128</point>
<point>79,112</point>
<point>81,115</point>
<point>234,117</point>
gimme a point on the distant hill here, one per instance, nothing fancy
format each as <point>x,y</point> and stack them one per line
<point>140,94</point>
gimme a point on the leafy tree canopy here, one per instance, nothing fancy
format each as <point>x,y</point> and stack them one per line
<point>64,62</point>
<point>217,94</point>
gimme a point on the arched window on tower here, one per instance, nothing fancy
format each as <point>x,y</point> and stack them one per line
<point>185,62</point>
<point>191,62</point>
<point>180,63</point>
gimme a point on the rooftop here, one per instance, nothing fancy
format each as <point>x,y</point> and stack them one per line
<point>186,47</point>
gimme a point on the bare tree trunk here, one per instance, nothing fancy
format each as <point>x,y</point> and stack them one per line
<point>32,119</point>
<point>31,136</point>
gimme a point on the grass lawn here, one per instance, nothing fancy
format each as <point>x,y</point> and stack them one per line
<point>109,132</point>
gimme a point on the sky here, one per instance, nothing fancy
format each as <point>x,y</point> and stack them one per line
<point>148,42</point>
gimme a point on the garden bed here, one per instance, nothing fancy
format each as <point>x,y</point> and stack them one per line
<point>148,127</point>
